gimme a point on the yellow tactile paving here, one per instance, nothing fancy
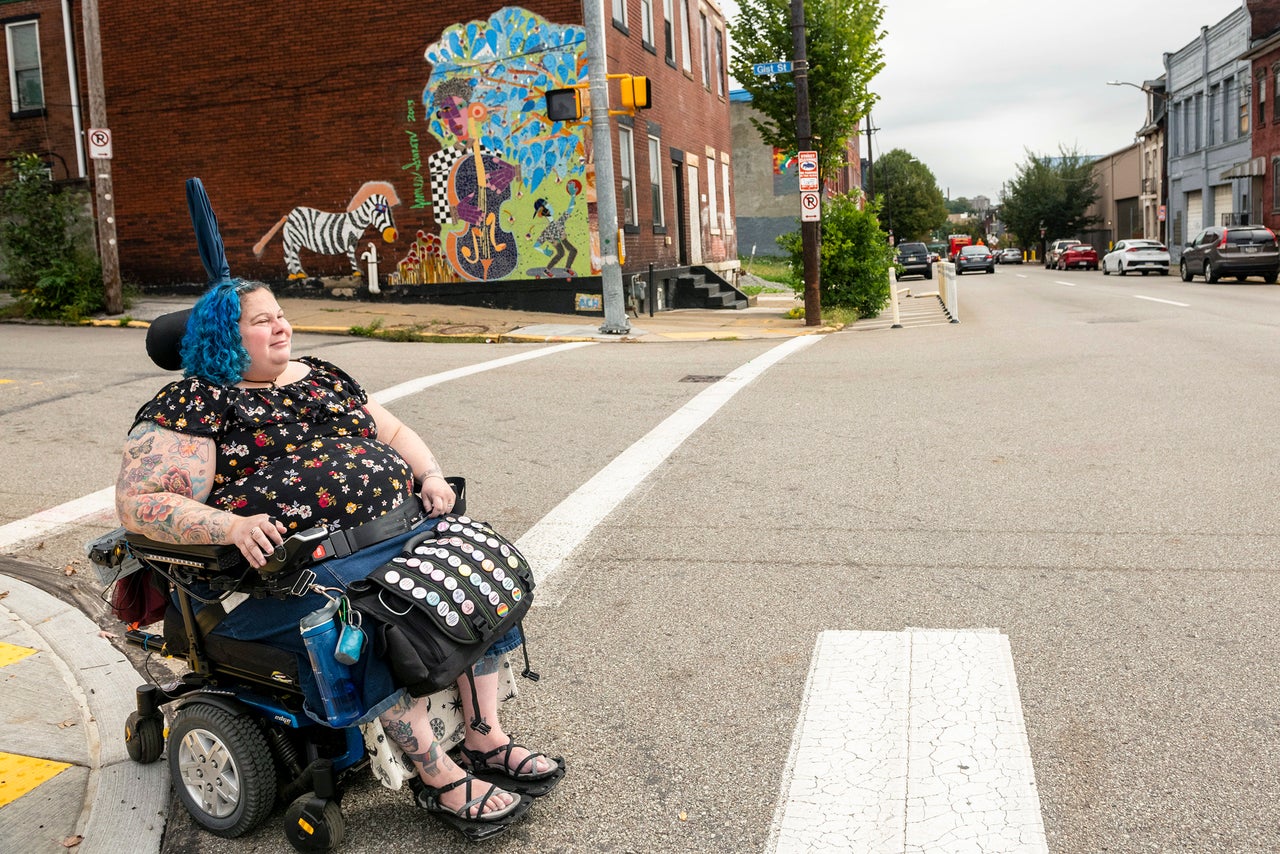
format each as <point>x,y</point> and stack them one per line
<point>21,774</point>
<point>10,653</point>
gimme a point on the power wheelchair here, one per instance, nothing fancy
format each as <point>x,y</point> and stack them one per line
<point>238,739</point>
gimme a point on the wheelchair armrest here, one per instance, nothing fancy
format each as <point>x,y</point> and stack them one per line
<point>204,559</point>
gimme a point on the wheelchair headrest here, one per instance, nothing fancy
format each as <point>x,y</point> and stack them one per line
<point>164,339</point>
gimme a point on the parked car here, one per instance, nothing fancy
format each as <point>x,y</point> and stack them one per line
<point>936,250</point>
<point>1078,255</point>
<point>1054,250</point>
<point>975,258</point>
<point>1232,250</point>
<point>914,260</point>
<point>1009,255</point>
<point>1142,256</point>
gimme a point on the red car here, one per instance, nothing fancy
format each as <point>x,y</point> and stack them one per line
<point>1080,255</point>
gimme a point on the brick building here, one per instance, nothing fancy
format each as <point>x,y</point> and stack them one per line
<point>323,130</point>
<point>1264,57</point>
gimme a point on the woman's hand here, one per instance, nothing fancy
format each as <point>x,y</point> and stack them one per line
<point>256,537</point>
<point>437,495</point>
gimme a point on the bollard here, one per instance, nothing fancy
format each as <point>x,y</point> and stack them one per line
<point>372,258</point>
<point>653,295</point>
<point>893,298</point>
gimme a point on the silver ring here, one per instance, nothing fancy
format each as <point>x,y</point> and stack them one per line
<point>255,531</point>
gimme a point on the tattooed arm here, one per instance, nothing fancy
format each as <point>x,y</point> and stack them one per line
<point>165,478</point>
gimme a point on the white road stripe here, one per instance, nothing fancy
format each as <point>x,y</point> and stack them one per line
<point>1068,284</point>
<point>49,521</point>
<point>556,535</point>
<point>1165,301</point>
<point>910,742</point>
<point>414,386</point>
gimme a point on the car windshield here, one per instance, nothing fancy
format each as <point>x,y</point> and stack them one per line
<point>1143,244</point>
<point>913,248</point>
<point>1247,236</point>
<point>974,250</point>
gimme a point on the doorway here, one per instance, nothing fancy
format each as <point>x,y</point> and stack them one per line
<point>682,231</point>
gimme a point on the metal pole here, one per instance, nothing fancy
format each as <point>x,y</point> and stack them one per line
<point>810,234</point>
<point>106,206</point>
<point>615,308</point>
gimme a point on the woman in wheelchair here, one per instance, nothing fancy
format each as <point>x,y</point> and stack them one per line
<point>253,445</point>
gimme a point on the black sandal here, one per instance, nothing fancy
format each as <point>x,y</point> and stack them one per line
<point>485,823</point>
<point>531,783</point>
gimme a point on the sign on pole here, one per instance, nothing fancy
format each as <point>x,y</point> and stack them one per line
<point>763,69</point>
<point>810,207</point>
<point>99,143</point>
<point>1162,213</point>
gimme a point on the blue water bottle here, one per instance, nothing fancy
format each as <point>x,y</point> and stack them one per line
<point>337,690</point>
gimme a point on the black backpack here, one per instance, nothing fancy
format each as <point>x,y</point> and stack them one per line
<point>434,610</point>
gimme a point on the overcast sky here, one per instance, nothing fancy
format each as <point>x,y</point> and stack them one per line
<point>969,86</point>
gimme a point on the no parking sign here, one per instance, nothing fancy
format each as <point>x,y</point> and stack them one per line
<point>99,143</point>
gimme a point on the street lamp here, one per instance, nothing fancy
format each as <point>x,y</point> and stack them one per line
<point>1145,88</point>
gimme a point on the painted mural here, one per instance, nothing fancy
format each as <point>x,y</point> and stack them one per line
<point>334,233</point>
<point>509,190</point>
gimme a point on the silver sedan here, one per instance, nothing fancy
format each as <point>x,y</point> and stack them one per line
<point>1140,256</point>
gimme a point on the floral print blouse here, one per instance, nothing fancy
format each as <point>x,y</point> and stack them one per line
<point>306,453</point>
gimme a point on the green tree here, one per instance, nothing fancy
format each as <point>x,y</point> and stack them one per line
<point>45,248</point>
<point>959,205</point>
<point>911,202</point>
<point>1052,193</point>
<point>842,42</point>
<point>855,258</point>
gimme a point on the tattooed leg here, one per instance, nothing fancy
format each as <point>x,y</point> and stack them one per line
<point>485,673</point>
<point>408,724</point>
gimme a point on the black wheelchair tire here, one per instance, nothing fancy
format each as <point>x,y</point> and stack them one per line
<point>213,750</point>
<point>327,831</point>
<point>144,737</point>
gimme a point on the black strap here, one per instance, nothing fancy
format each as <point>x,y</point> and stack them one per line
<point>341,543</point>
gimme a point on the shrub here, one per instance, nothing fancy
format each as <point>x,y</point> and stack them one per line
<point>855,259</point>
<point>46,252</point>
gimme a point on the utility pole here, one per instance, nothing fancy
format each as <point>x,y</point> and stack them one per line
<point>615,307</point>
<point>105,197</point>
<point>810,232</point>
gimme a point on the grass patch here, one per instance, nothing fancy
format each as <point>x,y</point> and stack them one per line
<point>414,334</point>
<point>771,268</point>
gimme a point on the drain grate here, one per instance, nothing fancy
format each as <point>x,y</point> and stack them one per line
<point>702,378</point>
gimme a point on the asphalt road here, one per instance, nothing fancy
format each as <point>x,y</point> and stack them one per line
<point>1086,463</point>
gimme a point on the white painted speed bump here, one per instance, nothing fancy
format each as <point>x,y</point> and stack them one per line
<point>910,742</point>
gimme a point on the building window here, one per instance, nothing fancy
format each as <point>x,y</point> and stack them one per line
<point>712,219</point>
<point>1262,98</point>
<point>1243,108</point>
<point>1214,134</point>
<point>1197,122</point>
<point>1275,184</point>
<point>620,13</point>
<point>720,63</point>
<point>655,182</point>
<point>669,28</point>
<point>706,53</point>
<point>1275,92</point>
<point>686,51</point>
<point>724,196</point>
<point>646,22</point>
<point>26,82</point>
<point>627,166</point>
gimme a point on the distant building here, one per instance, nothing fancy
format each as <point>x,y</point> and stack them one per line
<point>1152,180</point>
<point>1264,58</point>
<point>1117,209</point>
<point>767,188</point>
<point>1213,178</point>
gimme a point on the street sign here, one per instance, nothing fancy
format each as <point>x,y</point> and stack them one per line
<point>810,208</point>
<point>99,143</point>
<point>1163,213</point>
<point>807,168</point>
<point>762,69</point>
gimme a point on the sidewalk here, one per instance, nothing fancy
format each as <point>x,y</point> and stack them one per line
<point>437,322</point>
<point>65,693</point>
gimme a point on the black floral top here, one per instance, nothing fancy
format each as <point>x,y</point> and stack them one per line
<point>306,453</point>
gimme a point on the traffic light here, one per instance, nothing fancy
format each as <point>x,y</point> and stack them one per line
<point>635,92</point>
<point>564,105</point>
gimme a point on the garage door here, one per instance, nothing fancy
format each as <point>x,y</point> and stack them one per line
<point>1195,214</point>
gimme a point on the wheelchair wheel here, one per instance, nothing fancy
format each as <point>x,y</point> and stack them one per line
<point>314,824</point>
<point>222,769</point>
<point>144,737</point>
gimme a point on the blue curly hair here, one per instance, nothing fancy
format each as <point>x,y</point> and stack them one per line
<point>211,346</point>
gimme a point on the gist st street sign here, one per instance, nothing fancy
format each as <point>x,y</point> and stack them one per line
<point>764,69</point>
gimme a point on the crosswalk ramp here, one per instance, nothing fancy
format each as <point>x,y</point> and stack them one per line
<point>914,310</point>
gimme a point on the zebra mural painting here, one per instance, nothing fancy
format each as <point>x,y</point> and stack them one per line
<point>328,233</point>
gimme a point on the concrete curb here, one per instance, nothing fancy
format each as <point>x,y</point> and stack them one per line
<point>121,803</point>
